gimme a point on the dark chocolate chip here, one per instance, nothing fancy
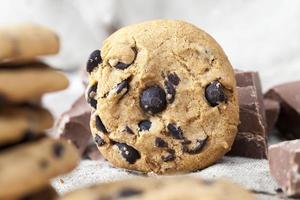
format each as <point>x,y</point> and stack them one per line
<point>123,66</point>
<point>128,152</point>
<point>43,164</point>
<point>200,143</point>
<point>214,93</point>
<point>171,92</point>
<point>128,192</point>
<point>58,149</point>
<point>153,99</point>
<point>124,85</point>
<point>144,125</point>
<point>99,125</point>
<point>175,131</point>
<point>128,130</point>
<point>93,61</point>
<point>170,157</point>
<point>28,136</point>
<point>173,78</point>
<point>92,94</point>
<point>99,141</point>
<point>160,143</point>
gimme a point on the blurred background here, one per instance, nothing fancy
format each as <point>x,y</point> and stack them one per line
<point>261,35</point>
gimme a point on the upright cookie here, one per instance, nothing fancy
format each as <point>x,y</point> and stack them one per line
<point>26,82</point>
<point>28,168</point>
<point>164,98</point>
<point>163,189</point>
<point>27,41</point>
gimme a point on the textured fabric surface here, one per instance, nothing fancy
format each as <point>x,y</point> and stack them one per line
<point>251,173</point>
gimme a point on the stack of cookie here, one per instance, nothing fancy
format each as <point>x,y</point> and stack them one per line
<point>28,158</point>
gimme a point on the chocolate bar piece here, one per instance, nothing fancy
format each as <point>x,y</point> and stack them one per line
<point>272,111</point>
<point>284,162</point>
<point>251,137</point>
<point>288,95</point>
<point>74,124</point>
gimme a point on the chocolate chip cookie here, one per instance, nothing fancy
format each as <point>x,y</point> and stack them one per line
<point>164,98</point>
<point>23,123</point>
<point>163,189</point>
<point>28,82</point>
<point>23,41</point>
<point>28,167</point>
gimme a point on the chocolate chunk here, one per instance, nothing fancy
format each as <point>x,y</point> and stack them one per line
<point>43,163</point>
<point>214,93</point>
<point>171,92</point>
<point>128,192</point>
<point>160,143</point>
<point>170,156</point>
<point>92,94</point>
<point>99,141</point>
<point>73,125</point>
<point>284,161</point>
<point>288,97</point>
<point>173,78</point>
<point>251,137</point>
<point>123,66</point>
<point>58,149</point>
<point>144,125</point>
<point>272,112</point>
<point>247,144</point>
<point>175,131</point>
<point>153,99</point>
<point>199,144</point>
<point>124,85</point>
<point>130,154</point>
<point>93,61</point>
<point>100,126</point>
<point>128,130</point>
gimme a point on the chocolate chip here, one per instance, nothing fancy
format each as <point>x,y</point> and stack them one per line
<point>173,78</point>
<point>99,141</point>
<point>171,92</point>
<point>128,130</point>
<point>28,136</point>
<point>43,164</point>
<point>200,143</point>
<point>175,131</point>
<point>153,99</point>
<point>160,143</point>
<point>92,94</point>
<point>128,192</point>
<point>129,153</point>
<point>170,157</point>
<point>123,66</point>
<point>100,126</point>
<point>93,61</point>
<point>144,125</point>
<point>124,85</point>
<point>214,93</point>
<point>58,149</point>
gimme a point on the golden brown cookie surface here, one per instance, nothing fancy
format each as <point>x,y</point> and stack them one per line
<point>164,97</point>
<point>163,189</point>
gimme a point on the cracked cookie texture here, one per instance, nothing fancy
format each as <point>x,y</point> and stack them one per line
<point>164,98</point>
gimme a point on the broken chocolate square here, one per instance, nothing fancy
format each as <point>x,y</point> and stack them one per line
<point>251,137</point>
<point>73,125</point>
<point>288,96</point>
<point>284,162</point>
<point>272,111</point>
